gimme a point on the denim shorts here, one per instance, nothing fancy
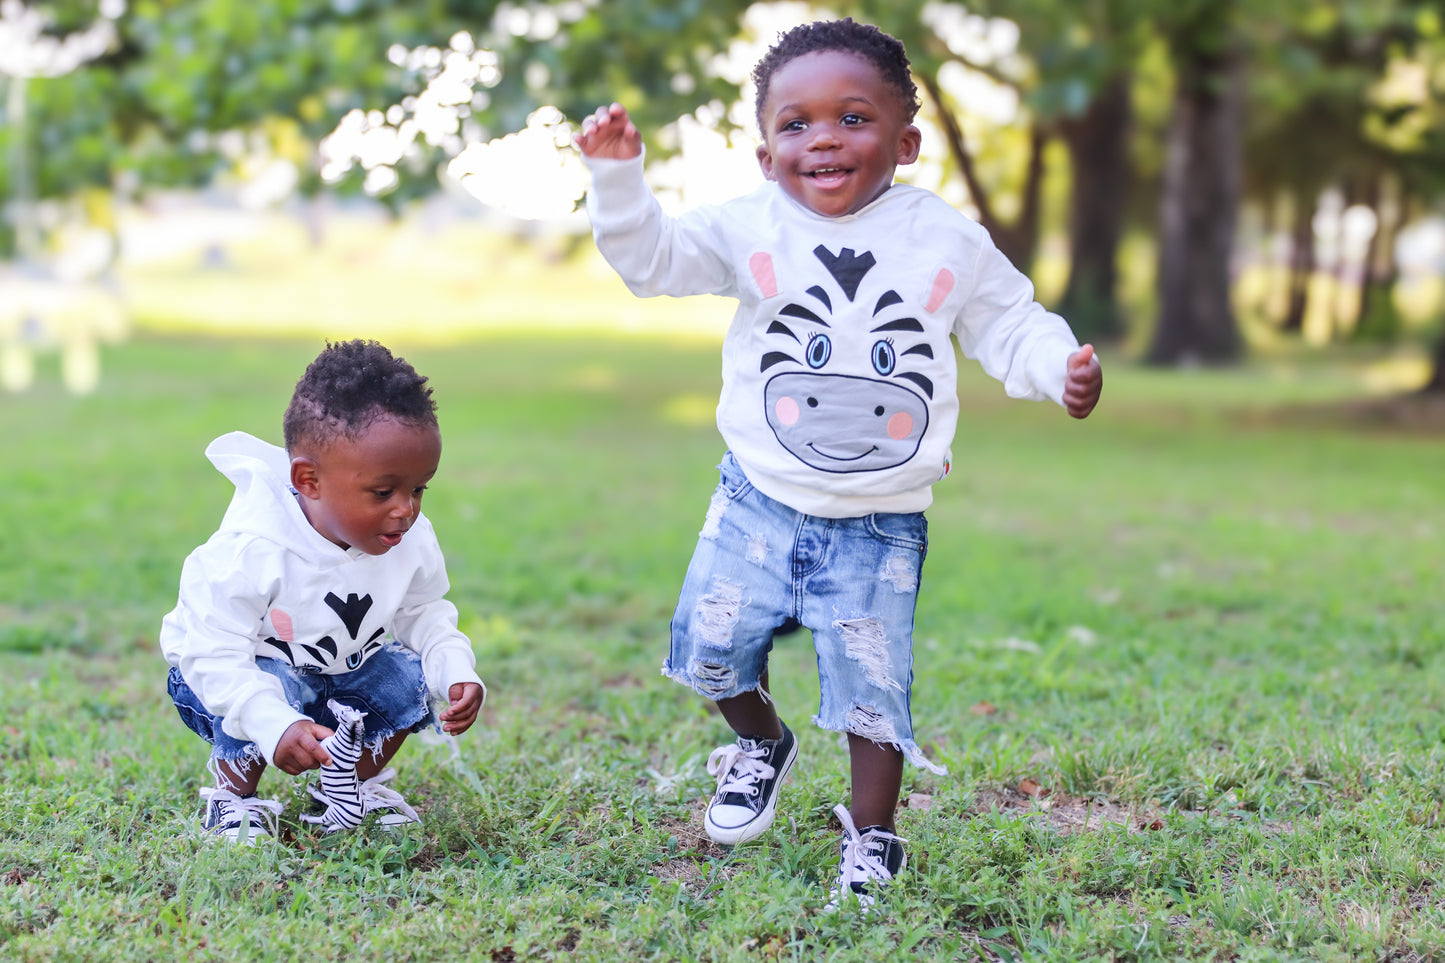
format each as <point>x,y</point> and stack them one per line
<point>760,565</point>
<point>389,687</point>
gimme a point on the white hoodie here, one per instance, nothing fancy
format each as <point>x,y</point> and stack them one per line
<point>268,584</point>
<point>839,392</point>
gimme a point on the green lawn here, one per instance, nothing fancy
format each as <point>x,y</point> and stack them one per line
<point>1182,661</point>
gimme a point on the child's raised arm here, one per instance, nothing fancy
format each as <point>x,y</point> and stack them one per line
<point>609,134</point>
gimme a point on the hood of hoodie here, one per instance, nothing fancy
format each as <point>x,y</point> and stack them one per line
<point>265,505</point>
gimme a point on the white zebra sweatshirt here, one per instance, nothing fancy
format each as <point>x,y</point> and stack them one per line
<point>268,584</point>
<point>839,394</point>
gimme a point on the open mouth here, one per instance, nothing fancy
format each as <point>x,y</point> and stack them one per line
<point>828,176</point>
<point>391,539</point>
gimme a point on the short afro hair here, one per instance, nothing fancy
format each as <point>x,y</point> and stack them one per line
<point>884,52</point>
<point>347,388</point>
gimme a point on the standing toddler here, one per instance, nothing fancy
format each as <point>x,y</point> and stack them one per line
<point>839,405</point>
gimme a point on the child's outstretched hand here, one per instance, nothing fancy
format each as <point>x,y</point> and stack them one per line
<point>609,134</point>
<point>1083,383</point>
<point>466,701</point>
<point>300,747</point>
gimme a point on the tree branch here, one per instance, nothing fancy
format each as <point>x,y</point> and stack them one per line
<point>957,149</point>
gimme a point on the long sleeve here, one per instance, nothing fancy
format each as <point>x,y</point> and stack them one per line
<point>426,622</point>
<point>1011,335</point>
<point>653,253</point>
<point>210,637</point>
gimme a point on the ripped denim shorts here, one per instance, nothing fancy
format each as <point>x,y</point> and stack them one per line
<point>760,565</point>
<point>389,687</point>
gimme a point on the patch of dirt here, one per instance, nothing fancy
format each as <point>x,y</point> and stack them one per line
<point>1067,815</point>
<point>16,875</point>
<point>1064,814</point>
<point>692,839</point>
<point>694,864</point>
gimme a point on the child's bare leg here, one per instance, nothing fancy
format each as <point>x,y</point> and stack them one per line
<point>749,771</point>
<point>240,776</point>
<point>877,781</point>
<point>750,714</point>
<point>372,763</point>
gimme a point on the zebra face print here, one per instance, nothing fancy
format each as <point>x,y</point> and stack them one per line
<point>835,421</point>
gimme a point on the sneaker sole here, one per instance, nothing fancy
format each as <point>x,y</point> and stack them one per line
<point>725,836</point>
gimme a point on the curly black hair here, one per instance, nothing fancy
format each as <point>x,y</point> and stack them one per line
<point>880,49</point>
<point>348,387</point>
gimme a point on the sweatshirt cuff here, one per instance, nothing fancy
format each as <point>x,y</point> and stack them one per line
<point>1049,368</point>
<point>451,668</point>
<point>263,721</point>
<point>617,186</point>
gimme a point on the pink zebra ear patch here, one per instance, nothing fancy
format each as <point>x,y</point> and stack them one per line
<point>761,265</point>
<point>942,288</point>
<point>281,622</point>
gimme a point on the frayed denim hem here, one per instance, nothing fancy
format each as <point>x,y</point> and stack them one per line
<point>713,680</point>
<point>241,757</point>
<point>879,731</point>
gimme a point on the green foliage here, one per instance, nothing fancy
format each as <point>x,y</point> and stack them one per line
<point>1207,618</point>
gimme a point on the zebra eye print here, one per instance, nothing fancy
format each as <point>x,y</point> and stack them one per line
<point>819,350</point>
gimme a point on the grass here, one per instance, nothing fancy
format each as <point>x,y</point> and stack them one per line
<point>1181,661</point>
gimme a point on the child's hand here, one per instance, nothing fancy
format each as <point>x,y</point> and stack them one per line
<point>609,133</point>
<point>466,701</point>
<point>1083,383</point>
<point>300,747</point>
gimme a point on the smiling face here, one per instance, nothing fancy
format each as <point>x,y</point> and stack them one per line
<point>365,492</point>
<point>843,423</point>
<point>834,131</point>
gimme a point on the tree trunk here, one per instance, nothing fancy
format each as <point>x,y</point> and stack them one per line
<point>1017,241</point>
<point>1099,155</point>
<point>1197,213</point>
<point>1301,264</point>
<point>1375,317</point>
<point>1436,384</point>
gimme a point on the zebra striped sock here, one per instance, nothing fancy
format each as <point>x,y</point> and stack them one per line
<point>339,785</point>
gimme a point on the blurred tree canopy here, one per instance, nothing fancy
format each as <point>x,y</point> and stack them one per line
<point>1171,114</point>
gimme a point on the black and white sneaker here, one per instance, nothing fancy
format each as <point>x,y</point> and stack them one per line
<point>238,819</point>
<point>748,773</point>
<point>870,857</point>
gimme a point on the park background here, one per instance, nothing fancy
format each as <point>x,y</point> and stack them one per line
<point>1181,659</point>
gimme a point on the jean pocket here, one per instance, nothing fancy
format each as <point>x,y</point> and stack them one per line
<point>902,530</point>
<point>732,481</point>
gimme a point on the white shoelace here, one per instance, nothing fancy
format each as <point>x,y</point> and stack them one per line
<point>738,769</point>
<point>374,795</point>
<point>862,862</point>
<point>261,813</point>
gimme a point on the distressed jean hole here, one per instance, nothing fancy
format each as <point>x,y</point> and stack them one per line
<point>865,642</point>
<point>718,613</point>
